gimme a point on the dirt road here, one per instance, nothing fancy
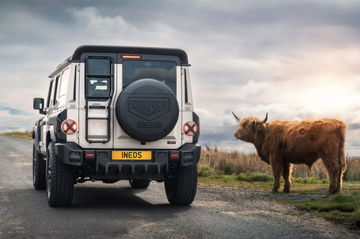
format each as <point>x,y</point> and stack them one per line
<point>116,211</point>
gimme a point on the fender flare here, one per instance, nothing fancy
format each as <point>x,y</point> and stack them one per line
<point>51,132</point>
<point>36,138</point>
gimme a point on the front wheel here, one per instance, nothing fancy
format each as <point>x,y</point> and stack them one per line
<point>181,190</point>
<point>60,180</point>
<point>39,170</point>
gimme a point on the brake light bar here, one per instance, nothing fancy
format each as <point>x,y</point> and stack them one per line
<point>131,57</point>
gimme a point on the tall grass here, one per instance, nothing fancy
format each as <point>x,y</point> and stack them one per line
<point>236,162</point>
<point>19,134</point>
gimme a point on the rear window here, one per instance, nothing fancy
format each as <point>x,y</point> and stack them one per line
<point>98,77</point>
<point>98,87</point>
<point>98,66</point>
<point>163,71</point>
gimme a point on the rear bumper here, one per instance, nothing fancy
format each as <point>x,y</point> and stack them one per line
<point>98,164</point>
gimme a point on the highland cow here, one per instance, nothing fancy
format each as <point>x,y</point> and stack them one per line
<point>283,143</point>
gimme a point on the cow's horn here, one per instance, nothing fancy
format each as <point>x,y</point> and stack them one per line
<point>266,116</point>
<point>237,118</point>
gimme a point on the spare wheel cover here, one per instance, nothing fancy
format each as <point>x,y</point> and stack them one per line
<point>147,110</point>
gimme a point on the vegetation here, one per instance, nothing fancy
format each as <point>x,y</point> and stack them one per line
<point>19,134</point>
<point>237,169</point>
<point>235,162</point>
<point>342,207</point>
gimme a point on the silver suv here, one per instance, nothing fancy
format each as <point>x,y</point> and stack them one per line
<point>118,113</point>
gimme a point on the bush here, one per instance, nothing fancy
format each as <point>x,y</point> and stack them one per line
<point>235,162</point>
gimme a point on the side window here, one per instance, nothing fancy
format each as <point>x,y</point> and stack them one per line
<point>186,86</point>
<point>54,91</point>
<point>49,94</point>
<point>98,78</point>
<point>64,83</point>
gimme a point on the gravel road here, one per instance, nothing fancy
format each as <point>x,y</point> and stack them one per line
<point>116,211</point>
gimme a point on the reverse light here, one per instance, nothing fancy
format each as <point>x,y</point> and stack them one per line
<point>69,127</point>
<point>190,128</point>
<point>130,57</point>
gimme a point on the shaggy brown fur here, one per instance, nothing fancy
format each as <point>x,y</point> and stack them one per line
<point>282,143</point>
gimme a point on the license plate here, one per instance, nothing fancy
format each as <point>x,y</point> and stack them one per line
<point>131,155</point>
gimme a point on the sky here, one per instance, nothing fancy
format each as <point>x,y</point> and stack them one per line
<point>294,59</point>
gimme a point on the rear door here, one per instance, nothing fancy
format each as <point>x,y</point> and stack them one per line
<point>165,69</point>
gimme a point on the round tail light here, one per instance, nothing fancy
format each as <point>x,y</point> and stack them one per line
<point>190,128</point>
<point>69,127</point>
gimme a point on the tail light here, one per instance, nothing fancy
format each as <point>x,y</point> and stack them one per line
<point>69,127</point>
<point>190,128</point>
<point>131,57</point>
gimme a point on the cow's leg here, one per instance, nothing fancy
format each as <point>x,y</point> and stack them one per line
<point>334,169</point>
<point>287,175</point>
<point>277,169</point>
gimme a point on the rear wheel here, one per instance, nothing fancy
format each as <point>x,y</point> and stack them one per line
<point>39,170</point>
<point>139,183</point>
<point>60,180</point>
<point>181,190</point>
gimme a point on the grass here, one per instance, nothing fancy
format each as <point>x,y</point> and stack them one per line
<point>342,207</point>
<point>235,162</point>
<point>19,134</point>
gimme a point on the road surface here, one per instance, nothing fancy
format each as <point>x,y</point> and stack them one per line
<point>116,211</point>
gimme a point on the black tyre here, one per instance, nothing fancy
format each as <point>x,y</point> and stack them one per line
<point>60,180</point>
<point>181,190</point>
<point>139,183</point>
<point>39,170</point>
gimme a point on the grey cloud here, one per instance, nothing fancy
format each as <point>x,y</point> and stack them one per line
<point>246,56</point>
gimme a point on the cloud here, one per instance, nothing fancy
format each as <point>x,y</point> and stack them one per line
<point>13,111</point>
<point>295,60</point>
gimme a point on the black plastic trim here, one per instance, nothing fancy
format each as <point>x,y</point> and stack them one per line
<point>75,74</point>
<point>56,121</point>
<point>196,119</point>
<point>72,154</point>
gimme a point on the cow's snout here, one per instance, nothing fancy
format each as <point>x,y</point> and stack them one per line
<point>236,135</point>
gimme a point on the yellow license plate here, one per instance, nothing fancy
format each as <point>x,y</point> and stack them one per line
<point>131,155</point>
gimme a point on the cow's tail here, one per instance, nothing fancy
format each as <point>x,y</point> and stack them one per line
<point>341,153</point>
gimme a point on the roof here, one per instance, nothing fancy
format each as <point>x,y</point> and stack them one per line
<point>130,50</point>
<point>76,57</point>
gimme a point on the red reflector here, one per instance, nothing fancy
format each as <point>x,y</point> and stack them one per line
<point>130,57</point>
<point>89,155</point>
<point>69,127</point>
<point>174,155</point>
<point>190,128</point>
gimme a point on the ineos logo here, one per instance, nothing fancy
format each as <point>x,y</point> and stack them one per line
<point>149,108</point>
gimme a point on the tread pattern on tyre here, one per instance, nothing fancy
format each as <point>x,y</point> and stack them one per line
<point>181,190</point>
<point>62,182</point>
<point>39,171</point>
